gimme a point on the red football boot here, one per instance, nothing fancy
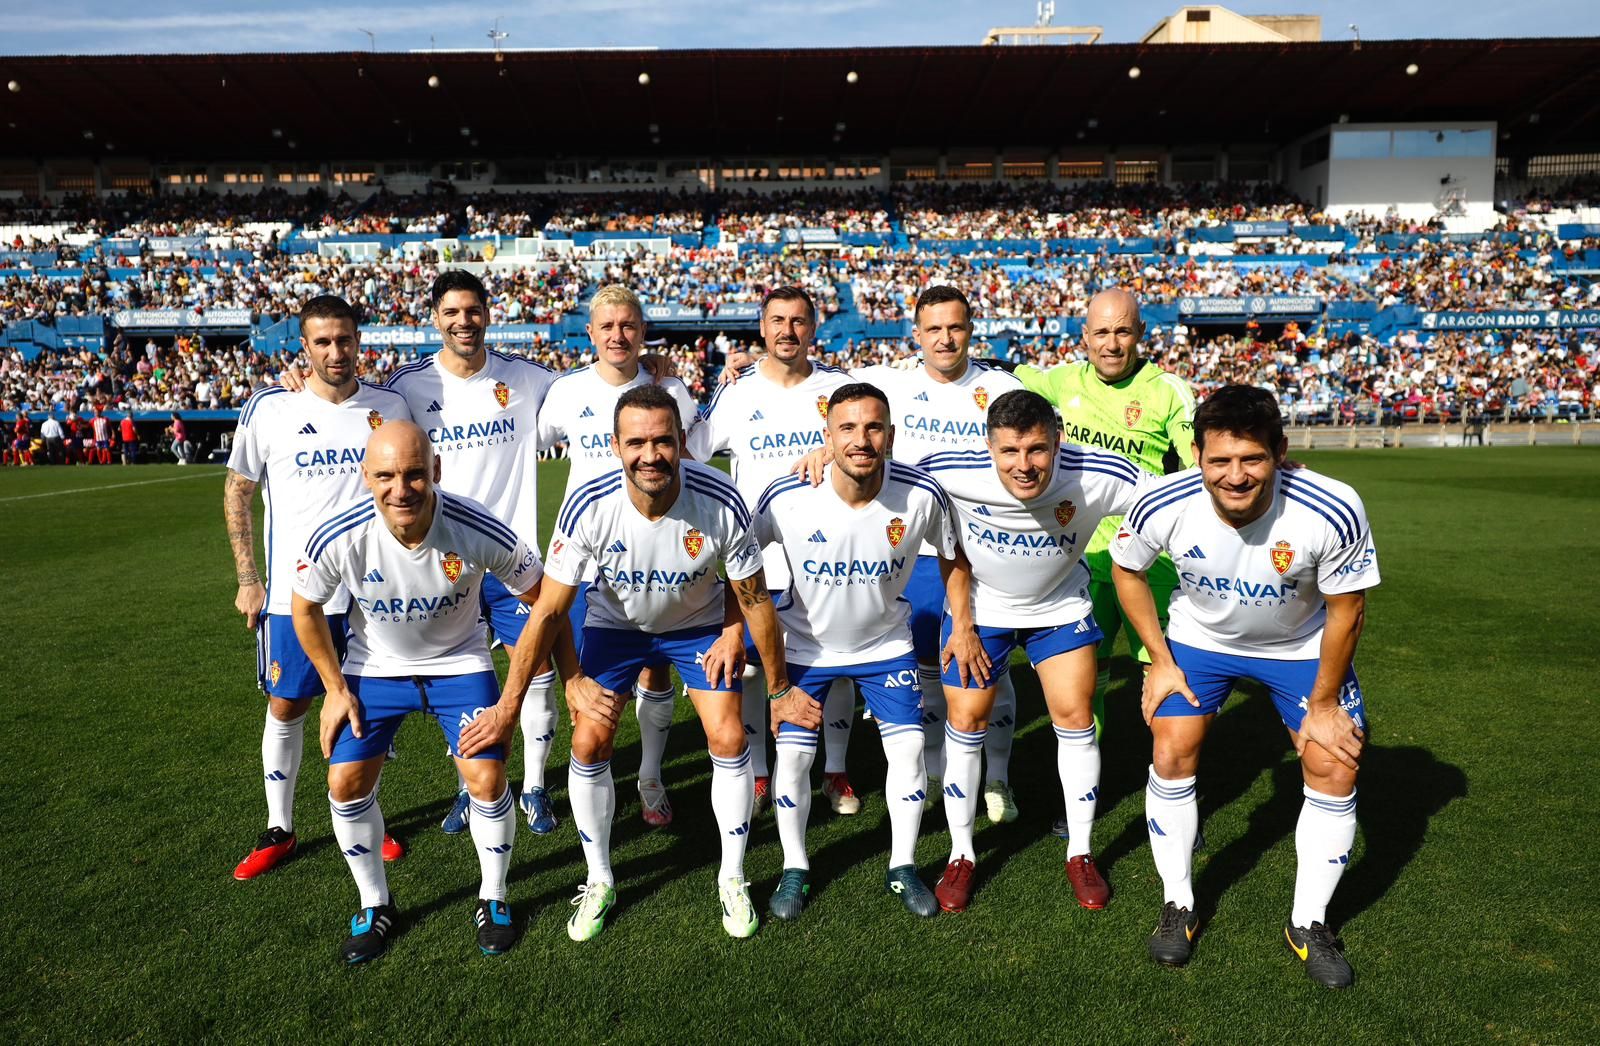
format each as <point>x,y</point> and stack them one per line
<point>274,847</point>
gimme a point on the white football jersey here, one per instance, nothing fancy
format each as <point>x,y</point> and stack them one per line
<point>1027,556</point>
<point>416,609</point>
<point>1257,590</point>
<point>655,576</point>
<point>849,567</point>
<point>579,408</point>
<point>766,428</point>
<point>484,430</point>
<point>306,454</point>
<point>931,416</point>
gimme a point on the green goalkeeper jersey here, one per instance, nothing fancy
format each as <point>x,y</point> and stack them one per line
<point>1139,417</point>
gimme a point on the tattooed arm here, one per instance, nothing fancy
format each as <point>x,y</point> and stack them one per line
<point>238,496</point>
<point>790,704</point>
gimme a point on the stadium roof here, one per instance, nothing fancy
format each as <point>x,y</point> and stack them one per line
<point>730,103</point>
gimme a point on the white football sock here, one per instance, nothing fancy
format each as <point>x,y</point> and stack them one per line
<point>1002,732</point>
<point>358,828</point>
<point>904,786</point>
<point>733,798</point>
<point>654,709</point>
<point>963,752</point>
<point>1078,763</point>
<point>791,791</point>
<point>753,707</point>
<point>1172,817</point>
<point>538,729</point>
<point>1322,842</point>
<point>592,791</point>
<point>282,744</point>
<point>493,829</point>
<point>933,713</point>
<point>838,716</point>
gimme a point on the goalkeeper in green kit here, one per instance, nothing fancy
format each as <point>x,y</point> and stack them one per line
<point>1118,402</point>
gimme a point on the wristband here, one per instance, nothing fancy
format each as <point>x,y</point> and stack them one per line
<point>780,694</point>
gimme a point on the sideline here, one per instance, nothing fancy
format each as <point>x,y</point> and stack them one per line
<point>112,486</point>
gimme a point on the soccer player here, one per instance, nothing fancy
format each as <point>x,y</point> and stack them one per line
<point>414,557</point>
<point>1274,563</point>
<point>578,410</point>
<point>849,543</point>
<point>1121,403</point>
<point>939,406</point>
<point>656,530</point>
<point>22,439</point>
<point>1025,508</point>
<point>767,421</point>
<point>481,411</point>
<point>100,427</point>
<point>303,451</point>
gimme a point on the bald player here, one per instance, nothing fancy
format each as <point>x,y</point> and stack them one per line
<point>414,559</point>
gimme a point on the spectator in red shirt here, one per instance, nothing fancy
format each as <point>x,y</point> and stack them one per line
<point>130,440</point>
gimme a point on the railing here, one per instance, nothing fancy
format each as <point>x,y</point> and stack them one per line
<point>1456,434</point>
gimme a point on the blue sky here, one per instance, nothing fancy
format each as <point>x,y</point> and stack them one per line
<point>199,26</point>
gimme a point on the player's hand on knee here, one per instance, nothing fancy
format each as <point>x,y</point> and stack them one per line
<point>812,465</point>
<point>338,708</point>
<point>972,660</point>
<point>723,662</point>
<point>291,379</point>
<point>1332,728</point>
<point>1160,683</point>
<point>493,726</point>
<point>586,698</point>
<point>796,707</point>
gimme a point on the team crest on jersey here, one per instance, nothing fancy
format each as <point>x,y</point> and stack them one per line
<point>693,542</point>
<point>1282,557</point>
<point>451,565</point>
<point>980,396</point>
<point>556,547</point>
<point>896,530</point>
<point>274,673</point>
<point>374,419</point>
<point>822,407</point>
<point>502,394</point>
<point>1065,511</point>
<point>1132,413</point>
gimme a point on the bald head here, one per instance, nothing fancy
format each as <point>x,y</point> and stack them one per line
<point>400,469</point>
<point>1111,332</point>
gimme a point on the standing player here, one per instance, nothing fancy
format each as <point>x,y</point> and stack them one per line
<point>940,406</point>
<point>414,558</point>
<point>578,410</point>
<point>100,428</point>
<point>1275,561</point>
<point>656,530</point>
<point>22,439</point>
<point>1025,510</point>
<point>481,412</point>
<point>1118,402</point>
<point>847,544</point>
<point>303,450</point>
<point>771,418</point>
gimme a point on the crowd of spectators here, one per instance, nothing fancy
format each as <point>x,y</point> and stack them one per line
<point>762,217</point>
<point>644,211</point>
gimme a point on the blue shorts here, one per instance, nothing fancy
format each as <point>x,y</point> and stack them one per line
<point>925,593</point>
<point>383,701</point>
<point>891,688</point>
<point>613,657</point>
<point>1211,676</point>
<point>282,667</point>
<point>505,613</point>
<point>579,613</point>
<point>1041,644</point>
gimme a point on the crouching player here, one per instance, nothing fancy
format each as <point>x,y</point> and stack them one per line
<point>851,544</point>
<point>414,559</point>
<point>655,530</point>
<point>1026,508</point>
<point>1274,562</point>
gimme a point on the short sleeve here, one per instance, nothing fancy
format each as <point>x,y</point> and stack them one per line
<point>1349,566</point>
<point>688,410</point>
<point>518,569</point>
<point>1033,379</point>
<point>703,439</point>
<point>249,455</point>
<point>1132,549</point>
<point>316,579</point>
<point>568,555</point>
<point>742,557</point>
<point>551,427</point>
<point>942,529</point>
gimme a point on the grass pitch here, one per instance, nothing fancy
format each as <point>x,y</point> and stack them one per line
<point>130,749</point>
